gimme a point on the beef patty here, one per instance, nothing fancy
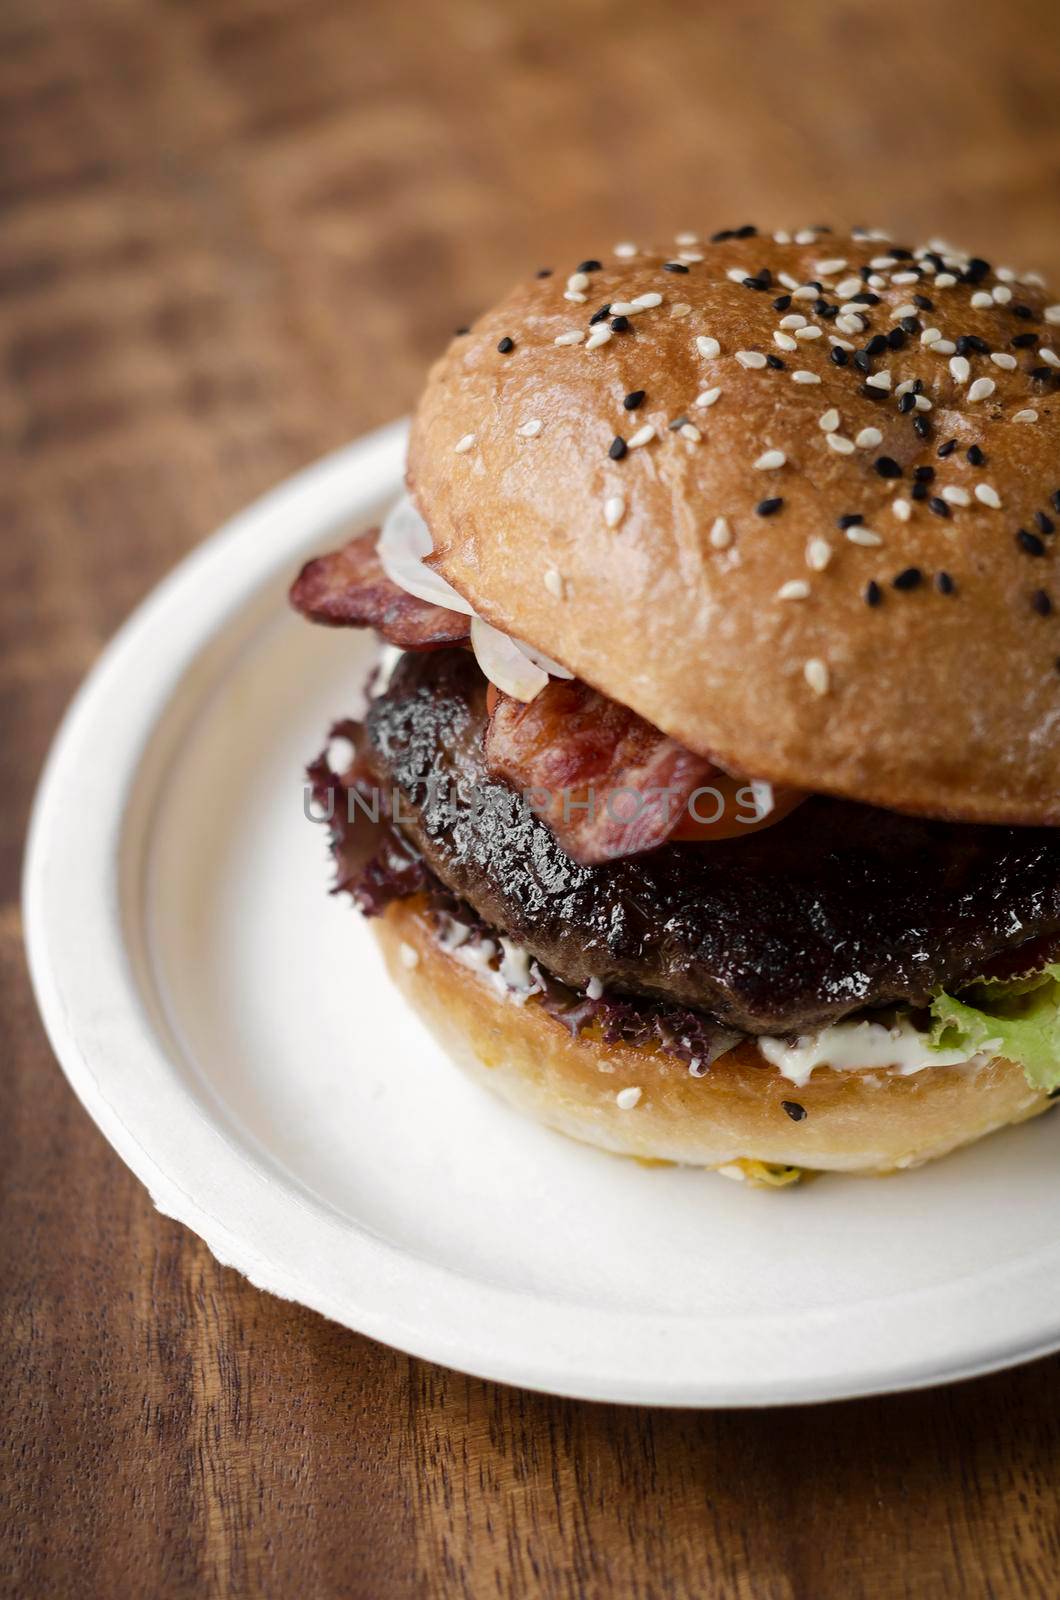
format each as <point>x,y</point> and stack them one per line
<point>836,908</point>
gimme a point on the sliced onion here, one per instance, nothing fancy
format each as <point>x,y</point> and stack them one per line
<point>404,541</point>
<point>539,659</point>
<point>504,663</point>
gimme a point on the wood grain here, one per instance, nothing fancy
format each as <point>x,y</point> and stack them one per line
<point>233,234</point>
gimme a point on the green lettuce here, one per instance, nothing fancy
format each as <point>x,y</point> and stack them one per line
<point>1018,1020</point>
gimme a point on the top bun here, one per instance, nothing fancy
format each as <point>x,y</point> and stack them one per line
<point>707,578</point>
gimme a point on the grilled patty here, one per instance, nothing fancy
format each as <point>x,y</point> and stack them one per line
<point>836,908</point>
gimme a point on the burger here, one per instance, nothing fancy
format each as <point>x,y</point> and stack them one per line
<point>707,796</point>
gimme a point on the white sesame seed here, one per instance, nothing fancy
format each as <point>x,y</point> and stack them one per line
<point>642,436</point>
<point>841,344</point>
<point>781,237</point>
<point>681,309</point>
<point>869,438</point>
<point>981,298</point>
<point>942,347</point>
<point>784,341</point>
<point>647,302</point>
<point>907,310</point>
<point>462,446</point>
<point>1025,416</point>
<point>1006,274</point>
<point>881,263</point>
<point>840,444</point>
<point>794,589</point>
<point>690,255</point>
<point>848,287</point>
<point>903,278</point>
<point>794,319</point>
<point>921,402</point>
<point>849,324</point>
<point>691,432</point>
<point>802,376</point>
<point>879,380</point>
<point>621,308</point>
<point>903,388</point>
<point>1052,313</point>
<point>707,346</point>
<point>601,334</point>
<point>707,398</point>
<point>788,281</point>
<point>828,269</point>
<point>626,1099</point>
<point>960,369</point>
<point>578,281</point>
<point>530,429</point>
<point>614,510</point>
<point>902,510</point>
<point>818,554</point>
<point>1002,359</point>
<point>982,389</point>
<point>956,496</point>
<point>829,420</point>
<point>1050,357</point>
<point>930,335</point>
<point>721,534</point>
<point>988,496</point>
<point>572,336</point>
<point>686,238</point>
<point>864,537</point>
<point>805,291</point>
<point>553,581</point>
<point>750,359</point>
<point>1001,294</point>
<point>410,956</point>
<point>808,333</point>
<point>852,308</point>
<point>572,294</point>
<point>625,249</point>
<point>945,280</point>
<point>806,236</point>
<point>770,460</point>
<point>735,274</point>
<point>1035,278</point>
<point>816,673</point>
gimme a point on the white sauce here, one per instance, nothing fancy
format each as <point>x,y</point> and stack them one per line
<point>866,1046</point>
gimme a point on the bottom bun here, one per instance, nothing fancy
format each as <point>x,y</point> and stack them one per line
<point>732,1117</point>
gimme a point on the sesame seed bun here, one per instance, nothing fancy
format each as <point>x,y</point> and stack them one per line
<point>740,1110</point>
<point>702,577</point>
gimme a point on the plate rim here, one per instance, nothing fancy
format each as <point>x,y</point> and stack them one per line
<point>235,1212</point>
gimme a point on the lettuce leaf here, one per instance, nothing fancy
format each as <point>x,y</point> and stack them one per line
<point>1020,1021</point>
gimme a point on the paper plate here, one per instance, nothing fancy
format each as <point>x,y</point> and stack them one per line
<point>230,1028</point>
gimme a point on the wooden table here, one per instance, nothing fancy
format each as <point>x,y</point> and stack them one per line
<point>234,234</point>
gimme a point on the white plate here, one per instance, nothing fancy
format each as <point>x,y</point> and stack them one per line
<point>229,1027</point>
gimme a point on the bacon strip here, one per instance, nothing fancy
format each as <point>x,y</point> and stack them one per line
<point>574,754</point>
<point>349,589</point>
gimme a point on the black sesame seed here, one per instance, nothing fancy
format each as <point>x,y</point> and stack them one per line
<point>923,302</point>
<point>919,491</point>
<point>1030,543</point>
<point>677,424</point>
<point>782,302</point>
<point>505,345</point>
<point>748,231</point>
<point>862,360</point>
<point>906,404</point>
<point>766,508</point>
<point>1041,603</point>
<point>674,266</point>
<point>722,235</point>
<point>1054,500</point>
<point>829,313</point>
<point>923,474</point>
<point>757,283</point>
<point>909,324</point>
<point>1024,312</point>
<point>976,269</point>
<point>921,426</point>
<point>621,324</point>
<point>589,266</point>
<point>972,341</point>
<point>865,298</point>
<point>1042,374</point>
<point>775,362</point>
<point>948,448</point>
<point>911,578</point>
<point>975,455</point>
<point>873,593</point>
<point>634,399</point>
<point>794,1110</point>
<point>887,467</point>
<point>618,448</point>
<point>899,252</point>
<point>939,506</point>
<point>876,345</point>
<point>601,315</point>
<point>544,272</point>
<point>944,583</point>
<point>896,338</point>
<point>918,385</point>
<point>458,333</point>
<point>839,355</point>
<point>1043,523</point>
<point>849,519</point>
<point>1024,341</point>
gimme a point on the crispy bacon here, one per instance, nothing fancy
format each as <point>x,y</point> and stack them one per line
<point>349,589</point>
<point>607,783</point>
